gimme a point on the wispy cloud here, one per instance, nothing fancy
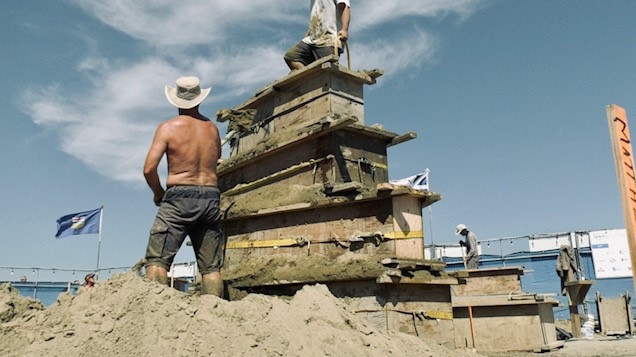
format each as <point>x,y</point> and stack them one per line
<point>370,14</point>
<point>167,23</point>
<point>234,46</point>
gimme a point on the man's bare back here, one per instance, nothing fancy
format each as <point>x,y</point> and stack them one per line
<point>193,151</point>
<point>192,145</point>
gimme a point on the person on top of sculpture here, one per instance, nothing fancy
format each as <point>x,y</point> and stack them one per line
<point>190,205</point>
<point>328,27</point>
<point>472,254</point>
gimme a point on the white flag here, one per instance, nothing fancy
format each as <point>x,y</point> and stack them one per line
<point>418,182</point>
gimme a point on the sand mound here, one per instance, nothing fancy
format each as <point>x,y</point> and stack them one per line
<point>127,315</point>
<point>13,305</point>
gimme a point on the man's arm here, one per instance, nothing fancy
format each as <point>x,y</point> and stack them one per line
<point>343,34</point>
<point>472,240</point>
<point>157,149</point>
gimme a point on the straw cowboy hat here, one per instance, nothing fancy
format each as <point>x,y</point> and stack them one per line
<point>459,229</point>
<point>188,93</point>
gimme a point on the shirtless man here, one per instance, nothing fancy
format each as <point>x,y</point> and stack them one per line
<point>190,205</point>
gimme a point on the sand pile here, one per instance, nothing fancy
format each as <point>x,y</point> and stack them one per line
<point>128,316</point>
<point>12,304</point>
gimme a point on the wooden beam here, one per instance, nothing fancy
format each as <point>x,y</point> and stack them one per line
<point>402,138</point>
<point>387,278</point>
<point>406,264</point>
<point>268,179</point>
<point>496,300</point>
<point>625,171</point>
<point>359,76</point>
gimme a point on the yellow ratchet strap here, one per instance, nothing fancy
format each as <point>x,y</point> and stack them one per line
<point>403,235</point>
<point>271,243</point>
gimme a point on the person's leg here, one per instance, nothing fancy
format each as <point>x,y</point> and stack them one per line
<point>166,237</point>
<point>209,249</point>
<point>294,65</point>
<point>298,56</point>
<point>208,242</point>
<point>162,247</point>
<point>212,283</point>
<point>324,51</point>
<point>157,273</point>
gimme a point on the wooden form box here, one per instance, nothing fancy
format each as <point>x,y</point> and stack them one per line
<point>500,324</point>
<point>615,315</point>
<point>331,158</point>
<point>504,280</point>
<point>321,89</point>
<point>327,227</point>
<point>430,302</point>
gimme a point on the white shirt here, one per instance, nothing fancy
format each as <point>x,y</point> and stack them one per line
<point>324,22</point>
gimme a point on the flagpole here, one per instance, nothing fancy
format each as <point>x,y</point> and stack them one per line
<point>430,216</point>
<point>99,243</point>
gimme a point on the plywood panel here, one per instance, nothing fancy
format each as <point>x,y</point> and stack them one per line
<point>405,303</point>
<point>346,85</point>
<point>489,285</point>
<point>346,148</point>
<point>407,217</point>
<point>614,316</point>
<point>301,112</point>
<point>320,224</point>
<point>504,328</point>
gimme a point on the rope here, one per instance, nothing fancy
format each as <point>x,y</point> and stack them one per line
<point>336,46</point>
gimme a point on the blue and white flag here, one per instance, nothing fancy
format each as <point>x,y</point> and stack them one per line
<point>418,182</point>
<point>78,223</point>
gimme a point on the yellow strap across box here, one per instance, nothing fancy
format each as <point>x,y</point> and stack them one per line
<point>404,235</point>
<point>379,165</point>
<point>283,242</point>
<point>442,315</point>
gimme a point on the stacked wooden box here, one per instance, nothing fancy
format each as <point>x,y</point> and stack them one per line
<point>303,173</point>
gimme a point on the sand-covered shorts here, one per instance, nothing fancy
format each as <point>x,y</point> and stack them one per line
<point>192,211</point>
<point>306,54</point>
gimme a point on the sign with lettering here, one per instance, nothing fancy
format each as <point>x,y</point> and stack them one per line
<point>624,160</point>
<point>610,254</point>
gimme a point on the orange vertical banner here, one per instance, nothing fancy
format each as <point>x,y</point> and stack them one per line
<point>624,160</point>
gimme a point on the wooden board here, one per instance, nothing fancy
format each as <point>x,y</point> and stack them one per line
<point>407,217</point>
<point>499,300</point>
<point>306,145</point>
<point>344,148</point>
<point>489,281</point>
<point>341,221</point>
<point>526,327</point>
<point>615,315</point>
<point>408,264</point>
<point>300,99</point>
<point>407,301</point>
<point>415,279</point>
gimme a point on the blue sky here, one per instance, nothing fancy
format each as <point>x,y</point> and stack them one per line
<point>507,97</point>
